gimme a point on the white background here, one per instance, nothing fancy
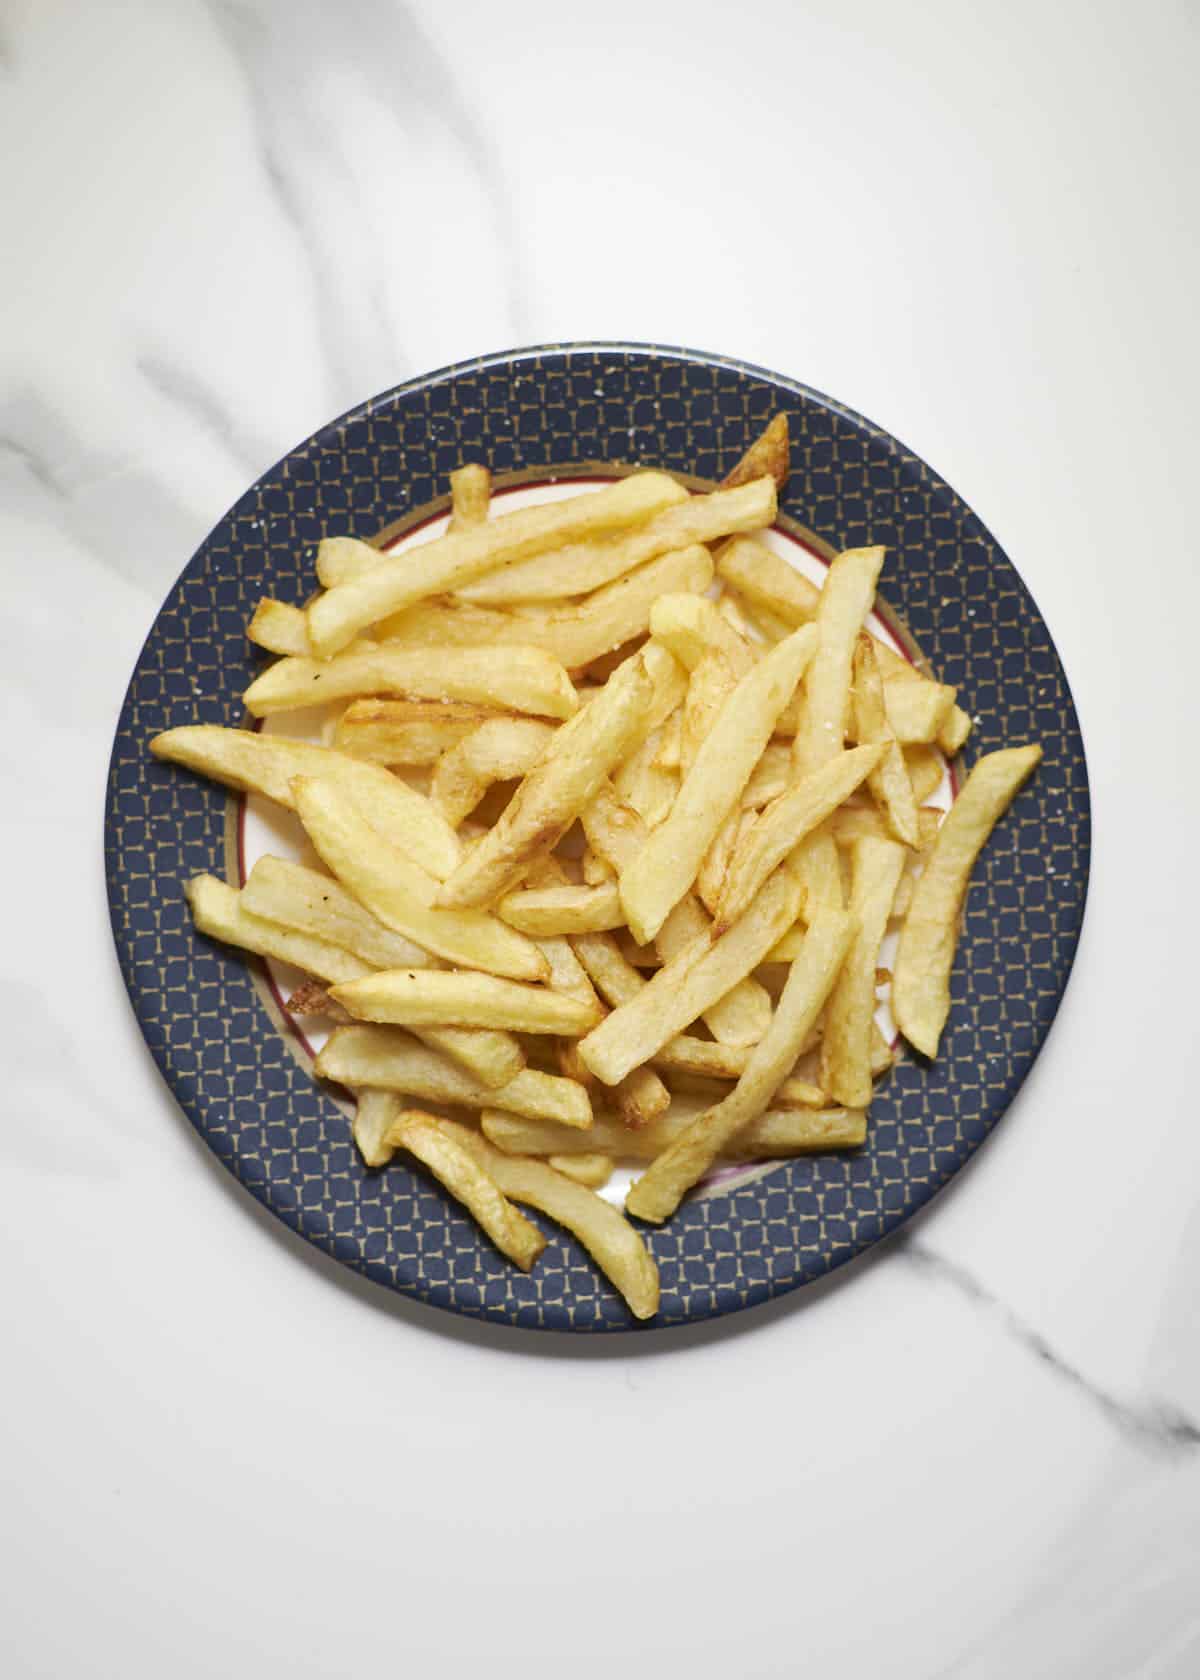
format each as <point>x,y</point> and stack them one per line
<point>974,1455</point>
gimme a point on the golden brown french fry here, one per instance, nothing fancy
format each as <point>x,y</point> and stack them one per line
<point>574,765</point>
<point>614,977</point>
<point>431,998</point>
<point>856,822</point>
<point>691,627</point>
<point>667,757</point>
<point>218,912</point>
<point>688,985</point>
<point>926,768</point>
<point>341,558</point>
<point>267,764</point>
<point>952,736</point>
<point>449,562</point>
<point>917,711</point>
<point>883,1056</point>
<point>373,1115</point>
<point>641,1097</point>
<point>641,785</point>
<point>772,776</point>
<point>576,634</point>
<point>782,825</point>
<point>845,1058</point>
<point>766,580</point>
<point>294,896</point>
<point>392,889</point>
<point>497,751</point>
<point>659,876</point>
<point>310,997</point>
<point>774,1135</point>
<point>406,731</point>
<point>921,981</point>
<point>470,496</point>
<point>279,628</point>
<point>390,1059</point>
<point>608,1237</point>
<point>596,873</point>
<point>769,454</point>
<point>712,682</point>
<point>590,1169</point>
<point>459,1171</point>
<point>517,679</point>
<point>711,876</point>
<point>659,1191</point>
<point>543,912</point>
<point>586,566</point>
<point>889,781</point>
<point>567,975</point>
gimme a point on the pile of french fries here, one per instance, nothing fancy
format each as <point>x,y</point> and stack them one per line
<point>616,812</point>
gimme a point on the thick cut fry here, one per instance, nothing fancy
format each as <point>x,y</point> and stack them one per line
<point>607,1235</point>
<point>587,566</point>
<point>691,626</point>
<point>769,454</point>
<point>856,822</point>
<point>268,764</point>
<point>782,826</point>
<point>341,558</point>
<point>406,731</point>
<point>459,1171</point>
<point>712,682</point>
<point>658,1192</point>
<point>567,975</point>
<point>576,634</point>
<point>615,978</point>
<point>470,495</point>
<point>690,984</point>
<point>546,911</point>
<point>382,880</point>
<point>390,1059</point>
<point>295,896</point>
<point>778,1133</point>
<point>311,998</point>
<point>565,779</point>
<point>497,751</point>
<point>917,711</point>
<point>669,680</point>
<point>666,867</point>
<point>218,912</point>
<point>766,580</point>
<point>772,776</point>
<point>279,628</point>
<point>450,562</point>
<point>845,1059</point>
<point>591,1169</point>
<point>890,783</point>
<point>373,1115</point>
<point>423,997</point>
<point>711,876</point>
<point>517,679</point>
<point>596,873</point>
<point>641,785</point>
<point>668,755</point>
<point>952,736</point>
<point>641,1097</point>
<point>926,767</point>
<point>921,976</point>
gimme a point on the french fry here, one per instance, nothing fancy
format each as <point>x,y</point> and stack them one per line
<point>596,873</point>
<point>493,1058</point>
<point>565,779</point>
<point>883,1056</point>
<point>691,627</point>
<point>341,558</point>
<point>769,454</point>
<point>772,776</point>
<point>711,876</point>
<point>641,785</point>
<point>766,580</point>
<point>311,998</point>
<point>390,1059</point>
<point>576,634</point>
<point>449,562</point>
<point>614,977</point>
<point>470,496</point>
<point>458,1169</point>
<point>918,711</point>
<point>607,1235</point>
<point>952,736</point>
<point>690,984</point>
<point>657,1194</point>
<point>543,912</point>
<point>921,977</point>
<point>890,783</point>
<point>587,566</point>
<point>568,976</point>
<point>392,889</point>
<point>430,998</point>
<point>406,731</point>
<point>712,682</point>
<point>854,823</point>
<point>783,824</point>
<point>497,751</point>
<point>268,764</point>
<point>845,1057</point>
<point>926,767</point>
<point>591,1169</point>
<point>373,1115</point>
<point>517,679</point>
<point>774,1135</point>
<point>297,897</point>
<point>641,1097</point>
<point>218,912</point>
<point>279,628</point>
<point>666,866</point>
<point>668,754</point>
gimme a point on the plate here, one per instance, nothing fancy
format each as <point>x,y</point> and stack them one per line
<point>210,1017</point>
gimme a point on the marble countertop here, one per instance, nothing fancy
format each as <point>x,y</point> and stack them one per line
<point>975,1455</point>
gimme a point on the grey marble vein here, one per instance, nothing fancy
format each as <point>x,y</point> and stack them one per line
<point>1156,1426</point>
<point>187,391</point>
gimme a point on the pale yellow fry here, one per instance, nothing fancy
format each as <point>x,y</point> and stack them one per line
<point>844,604</point>
<point>691,626</point>
<point>406,731</point>
<point>917,711</point>
<point>574,765</point>
<point>498,751</point>
<point>518,679</point>
<point>773,1136</point>
<point>382,880</point>
<point>567,975</point>
<point>260,763</point>
<point>470,496</point>
<point>658,1192</point>
<point>374,1113</point>
<point>643,786</point>
<point>389,1058</point>
<point>772,776</point>
<point>451,561</point>
<point>577,635</point>
<point>711,876</point>
<point>690,984</point>
<point>279,628</point>
<point>459,1171</point>
<point>889,781</point>
<point>882,1054</point>
<point>781,827</point>
<point>423,997</point>
<point>768,455</point>
<point>670,682</point>
<point>712,682</point>
<point>545,911</point>
<point>341,558</point>
<point>291,894</point>
<point>952,736</point>
<point>218,912</point>
<point>926,768</point>
<point>586,566</point>
<point>667,757</point>
<point>766,580</point>
<point>596,873</point>
<point>641,1097</point>
<point>590,1169</point>
<point>605,1233</point>
<point>613,975</point>
<point>666,866</point>
<point>491,1058</point>
<point>845,1057</point>
<point>853,823</point>
<point>921,976</point>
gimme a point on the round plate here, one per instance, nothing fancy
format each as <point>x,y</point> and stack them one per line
<point>547,410</point>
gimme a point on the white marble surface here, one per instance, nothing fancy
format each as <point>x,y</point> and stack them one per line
<point>975,1456</point>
